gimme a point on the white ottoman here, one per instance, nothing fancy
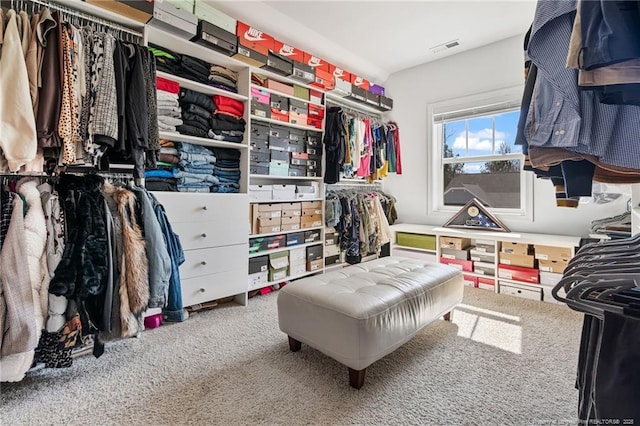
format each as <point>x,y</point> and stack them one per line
<point>363,312</point>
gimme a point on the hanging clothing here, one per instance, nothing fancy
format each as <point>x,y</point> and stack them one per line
<point>17,124</point>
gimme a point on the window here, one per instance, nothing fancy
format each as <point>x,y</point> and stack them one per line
<point>475,157</point>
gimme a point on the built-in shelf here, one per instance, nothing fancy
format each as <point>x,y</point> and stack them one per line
<point>178,137</point>
<point>177,44</point>
<point>520,283</point>
<point>297,200</point>
<point>271,234</point>
<point>281,249</point>
<point>283,123</point>
<point>396,246</point>
<point>350,103</point>
<point>288,80</point>
<point>285,95</point>
<point>286,178</point>
<point>100,12</point>
<point>200,87</point>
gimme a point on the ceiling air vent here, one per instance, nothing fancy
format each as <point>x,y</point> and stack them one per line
<point>445,46</point>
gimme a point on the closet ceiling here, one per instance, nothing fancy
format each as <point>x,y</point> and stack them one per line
<point>378,38</point>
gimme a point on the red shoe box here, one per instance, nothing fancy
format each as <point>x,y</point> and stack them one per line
<point>470,281</point>
<point>288,51</point>
<point>518,273</point>
<point>316,111</point>
<point>276,114</point>
<point>486,284</point>
<point>315,62</point>
<point>324,80</point>
<point>314,122</point>
<point>464,265</point>
<point>340,73</point>
<point>254,39</point>
<point>360,82</point>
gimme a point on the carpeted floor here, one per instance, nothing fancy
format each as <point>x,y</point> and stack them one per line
<point>503,361</point>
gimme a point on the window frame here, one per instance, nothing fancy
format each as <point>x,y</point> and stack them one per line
<point>471,107</point>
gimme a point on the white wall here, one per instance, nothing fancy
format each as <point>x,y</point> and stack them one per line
<point>492,67</point>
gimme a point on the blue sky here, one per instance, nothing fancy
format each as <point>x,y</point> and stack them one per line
<point>481,134</point>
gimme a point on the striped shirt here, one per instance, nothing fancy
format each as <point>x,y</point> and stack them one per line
<point>565,116</point>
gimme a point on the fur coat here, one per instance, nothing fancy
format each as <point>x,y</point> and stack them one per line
<point>134,266</point>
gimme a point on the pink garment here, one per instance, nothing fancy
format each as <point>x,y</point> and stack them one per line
<point>367,145</point>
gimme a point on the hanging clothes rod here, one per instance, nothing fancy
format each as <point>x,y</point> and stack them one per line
<point>81,15</point>
<point>353,109</point>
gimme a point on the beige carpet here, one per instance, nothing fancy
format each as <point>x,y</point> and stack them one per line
<point>503,360</point>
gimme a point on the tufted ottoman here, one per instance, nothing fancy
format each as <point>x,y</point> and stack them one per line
<point>363,312</point>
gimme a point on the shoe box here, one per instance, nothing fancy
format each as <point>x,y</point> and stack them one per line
<point>298,112</point>
<point>183,23</point>
<point>216,38</point>
<point>517,273</point>
<point>279,108</point>
<point>463,265</point>
<point>279,64</point>
<point>260,103</point>
<point>253,45</point>
<point>454,243</point>
<point>455,254</point>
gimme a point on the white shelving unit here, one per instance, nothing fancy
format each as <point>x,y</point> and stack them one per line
<point>281,249</point>
<point>284,123</point>
<point>200,87</point>
<point>178,137</point>
<point>497,238</point>
<point>275,92</point>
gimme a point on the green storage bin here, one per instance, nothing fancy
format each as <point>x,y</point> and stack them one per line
<point>406,239</point>
<point>301,92</point>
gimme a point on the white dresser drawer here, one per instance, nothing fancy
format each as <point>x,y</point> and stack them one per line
<point>199,235</point>
<point>194,207</point>
<point>520,291</point>
<point>214,260</point>
<point>215,286</point>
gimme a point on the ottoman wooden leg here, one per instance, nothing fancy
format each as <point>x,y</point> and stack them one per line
<point>447,316</point>
<point>294,345</point>
<point>356,378</point>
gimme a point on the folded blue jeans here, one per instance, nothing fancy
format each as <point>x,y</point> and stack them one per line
<point>193,149</point>
<point>188,156</point>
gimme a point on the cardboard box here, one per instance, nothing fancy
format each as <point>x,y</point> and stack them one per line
<point>258,280</point>
<point>256,169</point>
<point>276,242</point>
<point>298,118</point>
<point>278,64</point>
<point>486,283</point>
<point>296,238</point>
<point>357,93</point>
<point>562,254</point>
<point>317,63</point>
<point>284,192</point>
<point>294,147</point>
<point>287,51</point>
<point>180,22</point>
<point>481,248</point>
<point>258,264</point>
<point>301,92</point>
<point>339,73</point>
<point>292,209</point>
<point>470,281</point>
<point>518,274</point>
<point>298,255</point>
<point>316,111</point>
<point>307,191</point>
<point>279,103</point>
<point>331,260</point>
<point>455,254</point>
<point>280,87</point>
<point>314,221</point>
<point>315,96</point>
<point>331,250</point>
<point>360,82</point>
<point>484,268</point>
<point>268,225</point>
<point>555,266</point>
<point>515,248</point>
<point>260,192</point>
<point>386,104</point>
<point>342,88</point>
<point>250,56</point>
<point>278,168</point>
<point>254,39</point>
<point>259,131</point>
<point>257,245</point>
<point>549,278</point>
<point>326,81</point>
<point>376,89</point>
<point>298,269</point>
<point>373,99</point>
<point>454,243</point>
<point>463,265</point>
<point>279,131</point>
<point>280,156</point>
<point>311,212</point>
<point>526,261</point>
<point>312,236</point>
<point>311,205</point>
<point>477,256</point>
<point>315,122</point>
<point>295,170</point>
<point>279,115</point>
<point>290,220</point>
<point>123,9</point>
<point>274,207</point>
<point>290,227</point>
<point>260,110</point>
<point>216,38</point>
<point>205,11</point>
<point>303,72</point>
<point>314,253</point>
<point>316,265</point>
<point>256,157</point>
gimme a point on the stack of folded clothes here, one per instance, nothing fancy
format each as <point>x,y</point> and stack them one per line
<point>169,112</point>
<point>197,109</point>
<point>227,123</point>
<point>223,78</point>
<point>163,177</point>
<point>181,65</point>
<point>227,170</point>
<point>196,168</point>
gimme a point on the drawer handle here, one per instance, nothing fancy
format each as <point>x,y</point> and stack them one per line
<point>204,235</point>
<point>203,263</point>
<point>202,290</point>
<point>204,207</point>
